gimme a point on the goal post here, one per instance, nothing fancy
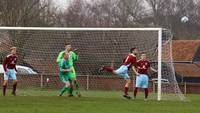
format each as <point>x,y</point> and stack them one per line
<point>39,46</point>
<point>159,63</point>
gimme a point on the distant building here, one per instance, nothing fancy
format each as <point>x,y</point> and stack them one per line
<point>186,56</point>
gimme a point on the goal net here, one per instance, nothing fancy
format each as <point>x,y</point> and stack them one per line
<point>37,49</point>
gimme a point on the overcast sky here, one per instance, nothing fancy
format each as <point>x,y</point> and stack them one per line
<point>61,3</point>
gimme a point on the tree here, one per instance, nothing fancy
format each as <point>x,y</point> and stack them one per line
<point>167,13</point>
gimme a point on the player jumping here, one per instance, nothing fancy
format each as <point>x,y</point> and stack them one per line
<point>142,78</point>
<point>128,62</point>
<point>9,66</point>
<point>64,69</point>
<point>72,75</point>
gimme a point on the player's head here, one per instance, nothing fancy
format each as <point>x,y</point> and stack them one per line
<point>65,56</point>
<point>143,56</point>
<point>133,50</point>
<point>13,50</point>
<point>68,46</point>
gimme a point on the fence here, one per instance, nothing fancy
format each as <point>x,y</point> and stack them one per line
<point>90,83</point>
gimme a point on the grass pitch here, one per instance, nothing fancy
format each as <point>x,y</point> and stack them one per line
<point>46,101</point>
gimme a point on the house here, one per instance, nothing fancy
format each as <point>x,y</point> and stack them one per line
<point>186,57</point>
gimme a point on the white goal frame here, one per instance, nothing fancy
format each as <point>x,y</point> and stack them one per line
<point>159,30</point>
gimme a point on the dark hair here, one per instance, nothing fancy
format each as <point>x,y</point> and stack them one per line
<point>66,43</point>
<point>132,49</point>
<point>142,53</point>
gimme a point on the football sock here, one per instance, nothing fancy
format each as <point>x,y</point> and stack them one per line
<point>14,88</point>
<point>146,91</point>
<point>63,90</point>
<point>135,92</point>
<point>109,69</point>
<point>77,87</point>
<point>126,90</point>
<point>4,90</point>
<point>70,89</point>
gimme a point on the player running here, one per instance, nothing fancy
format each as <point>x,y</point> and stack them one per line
<point>64,69</point>
<point>9,66</point>
<point>72,75</point>
<point>142,78</point>
<point>128,62</point>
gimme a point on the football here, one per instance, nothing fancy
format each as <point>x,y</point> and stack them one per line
<point>184,19</point>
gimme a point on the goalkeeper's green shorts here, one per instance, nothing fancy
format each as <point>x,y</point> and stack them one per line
<point>72,75</point>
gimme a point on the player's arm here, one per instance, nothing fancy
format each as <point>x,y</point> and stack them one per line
<point>16,67</point>
<point>134,70</point>
<point>5,64</point>
<point>134,66</point>
<point>74,56</point>
<point>76,51</point>
<point>151,68</point>
<point>59,58</point>
<point>65,70</point>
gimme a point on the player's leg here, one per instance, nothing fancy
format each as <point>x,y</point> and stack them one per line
<point>146,92</point>
<point>76,86</point>
<point>122,71</point>
<point>138,83</point>
<point>70,91</point>
<point>64,79</point>
<point>145,81</point>
<point>66,87</point>
<point>126,88</point>
<point>124,74</point>
<point>14,87</point>
<point>135,92</point>
<point>72,76</point>
<point>14,78</point>
<point>5,82</point>
<point>108,69</point>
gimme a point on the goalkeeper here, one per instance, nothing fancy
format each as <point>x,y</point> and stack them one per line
<point>64,70</point>
<point>72,75</point>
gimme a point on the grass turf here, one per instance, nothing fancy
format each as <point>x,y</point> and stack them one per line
<point>46,101</point>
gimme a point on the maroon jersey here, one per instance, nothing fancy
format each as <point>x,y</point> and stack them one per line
<point>10,62</point>
<point>129,60</point>
<point>143,66</point>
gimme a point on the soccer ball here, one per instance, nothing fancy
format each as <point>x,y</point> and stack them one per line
<point>184,19</point>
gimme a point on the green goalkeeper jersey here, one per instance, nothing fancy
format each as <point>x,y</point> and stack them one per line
<point>72,57</point>
<point>60,57</point>
<point>64,64</point>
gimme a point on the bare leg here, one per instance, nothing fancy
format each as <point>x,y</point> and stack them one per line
<point>4,87</point>
<point>126,87</point>
<point>14,87</point>
<point>135,92</point>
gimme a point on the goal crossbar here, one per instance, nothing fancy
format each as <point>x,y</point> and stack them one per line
<point>79,29</point>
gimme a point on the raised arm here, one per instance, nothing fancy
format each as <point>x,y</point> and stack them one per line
<point>74,56</point>
<point>151,68</point>
<point>59,58</point>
